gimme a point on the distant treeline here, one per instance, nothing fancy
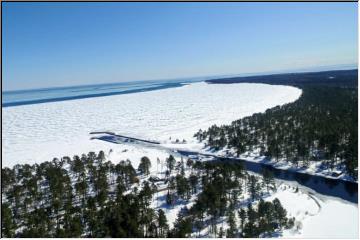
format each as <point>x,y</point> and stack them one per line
<point>320,126</point>
<point>339,78</point>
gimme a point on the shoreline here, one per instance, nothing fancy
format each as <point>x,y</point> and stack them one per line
<point>263,161</point>
<point>173,112</point>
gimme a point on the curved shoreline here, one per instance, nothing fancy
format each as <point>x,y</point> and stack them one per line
<point>306,82</point>
<point>177,112</point>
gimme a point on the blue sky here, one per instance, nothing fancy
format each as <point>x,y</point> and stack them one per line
<point>59,44</point>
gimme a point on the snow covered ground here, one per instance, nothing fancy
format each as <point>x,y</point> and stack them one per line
<point>317,216</point>
<point>37,133</point>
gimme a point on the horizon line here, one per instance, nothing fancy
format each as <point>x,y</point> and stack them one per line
<point>347,66</point>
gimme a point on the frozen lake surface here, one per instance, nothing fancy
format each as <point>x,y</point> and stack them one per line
<point>40,132</point>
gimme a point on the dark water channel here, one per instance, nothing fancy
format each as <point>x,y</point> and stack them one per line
<point>332,187</point>
<point>327,186</point>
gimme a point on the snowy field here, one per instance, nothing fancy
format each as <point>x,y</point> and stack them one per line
<point>37,133</point>
<point>317,216</point>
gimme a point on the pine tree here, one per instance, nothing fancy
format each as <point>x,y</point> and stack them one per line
<point>170,163</point>
<point>182,226</point>
<point>231,232</point>
<point>242,216</point>
<point>162,223</point>
<point>221,232</point>
<point>279,212</point>
<point>144,166</point>
<point>193,179</point>
<point>253,187</point>
<point>269,181</point>
<point>7,221</point>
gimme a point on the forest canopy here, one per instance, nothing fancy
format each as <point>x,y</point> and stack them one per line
<point>322,125</point>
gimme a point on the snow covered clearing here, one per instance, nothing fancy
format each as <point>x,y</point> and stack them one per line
<point>317,216</point>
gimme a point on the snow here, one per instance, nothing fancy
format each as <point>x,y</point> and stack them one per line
<point>317,216</point>
<point>336,220</point>
<point>40,132</point>
<point>37,133</point>
<point>135,152</point>
<point>314,167</point>
<point>171,212</point>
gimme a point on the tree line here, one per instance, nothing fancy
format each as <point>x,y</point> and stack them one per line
<point>322,125</point>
